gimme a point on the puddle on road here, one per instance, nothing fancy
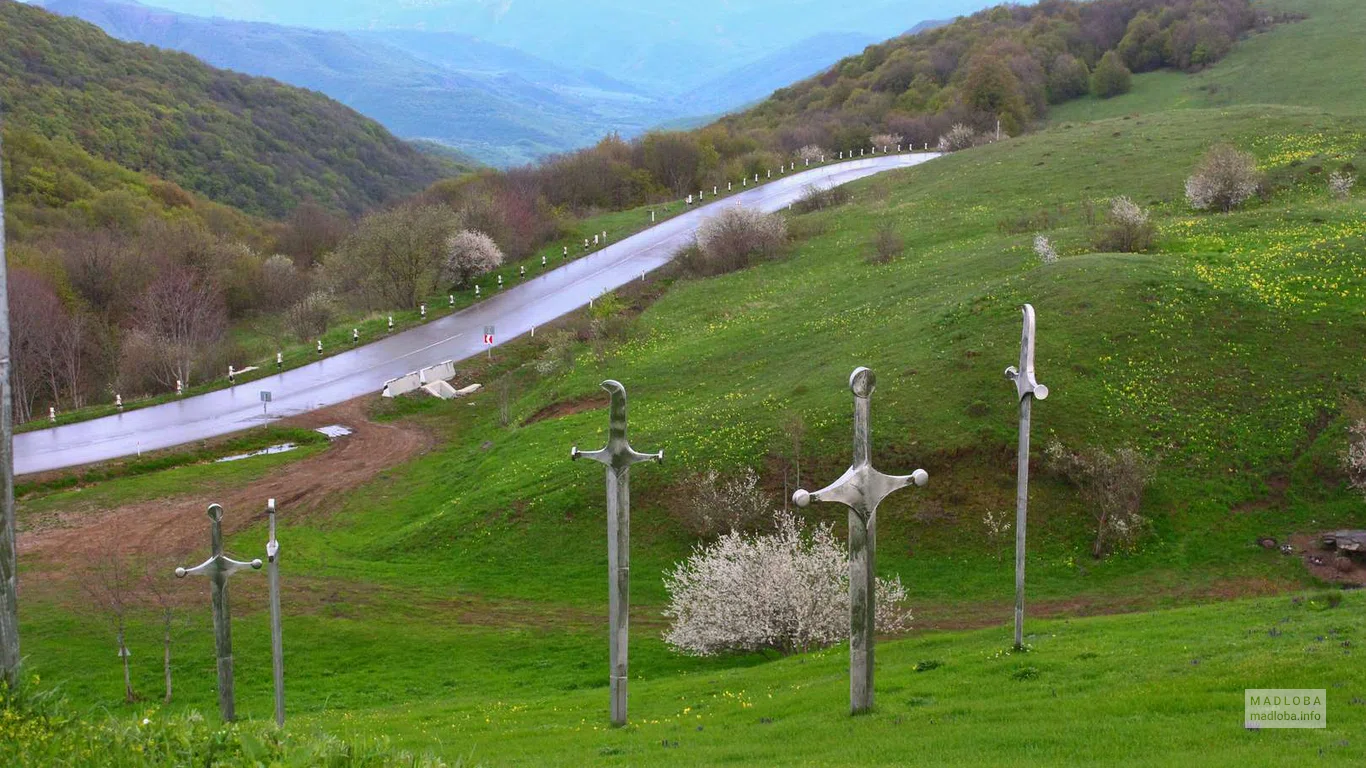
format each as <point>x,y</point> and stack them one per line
<point>281,448</point>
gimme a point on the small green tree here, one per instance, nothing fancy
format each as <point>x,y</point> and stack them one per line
<point>1068,78</point>
<point>993,88</point>
<point>1111,77</point>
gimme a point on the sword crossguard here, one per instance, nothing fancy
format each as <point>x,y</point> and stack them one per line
<point>218,562</point>
<point>1025,382</point>
<point>618,452</point>
<point>861,488</point>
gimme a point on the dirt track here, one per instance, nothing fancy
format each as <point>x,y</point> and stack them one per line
<point>176,525</point>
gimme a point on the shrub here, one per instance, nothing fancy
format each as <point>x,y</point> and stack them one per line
<point>1127,229</point>
<point>282,284</point>
<point>786,591</point>
<point>958,137</point>
<point>558,353</point>
<point>1340,183</point>
<point>1225,179</point>
<point>887,244</point>
<point>1354,460</point>
<point>734,238</point>
<point>1112,482</point>
<point>311,316</point>
<point>885,140</point>
<point>816,198</point>
<point>811,152</point>
<point>42,729</point>
<point>1111,77</point>
<point>469,254</point>
<point>717,505</point>
<point>1043,248</point>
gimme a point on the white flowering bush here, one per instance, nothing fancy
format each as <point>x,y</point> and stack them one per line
<point>1043,248</point>
<point>786,591</point>
<point>1354,461</point>
<point>469,253</point>
<point>811,152</point>
<point>1340,183</point>
<point>1225,179</point>
<point>959,137</point>
<point>1128,228</point>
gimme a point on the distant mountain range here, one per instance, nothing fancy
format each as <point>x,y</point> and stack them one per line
<point>492,102</point>
<point>671,46</point>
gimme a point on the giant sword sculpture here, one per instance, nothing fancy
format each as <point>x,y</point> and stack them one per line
<point>618,456</point>
<point>1028,389</point>
<point>218,568</point>
<point>277,644</point>
<point>861,488</point>
<point>9,553</point>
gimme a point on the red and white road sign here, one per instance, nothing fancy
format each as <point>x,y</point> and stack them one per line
<point>488,335</point>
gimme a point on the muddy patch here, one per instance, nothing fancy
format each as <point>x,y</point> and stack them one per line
<point>569,407</point>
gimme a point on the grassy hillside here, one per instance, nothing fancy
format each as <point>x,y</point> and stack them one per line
<point>1313,62</point>
<point>247,142</point>
<point>458,601</point>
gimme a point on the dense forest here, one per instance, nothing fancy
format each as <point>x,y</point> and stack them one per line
<point>252,143</point>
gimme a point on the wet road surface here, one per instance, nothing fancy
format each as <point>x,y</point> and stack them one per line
<point>513,312</point>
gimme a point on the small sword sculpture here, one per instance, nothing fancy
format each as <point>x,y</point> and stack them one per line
<point>861,488</point>
<point>277,644</point>
<point>1028,389</point>
<point>618,456</point>
<point>218,568</point>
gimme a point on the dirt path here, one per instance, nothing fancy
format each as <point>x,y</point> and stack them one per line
<point>174,526</point>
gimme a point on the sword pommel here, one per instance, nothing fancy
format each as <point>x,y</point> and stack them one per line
<point>862,381</point>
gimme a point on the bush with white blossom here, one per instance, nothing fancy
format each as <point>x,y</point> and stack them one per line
<point>469,254</point>
<point>1340,183</point>
<point>1225,179</point>
<point>786,591</point>
<point>1043,248</point>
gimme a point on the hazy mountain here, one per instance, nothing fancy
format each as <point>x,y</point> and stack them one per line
<point>487,108</point>
<point>763,76</point>
<point>673,46</point>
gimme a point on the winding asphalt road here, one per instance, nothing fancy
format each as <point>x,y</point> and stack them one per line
<point>364,370</point>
